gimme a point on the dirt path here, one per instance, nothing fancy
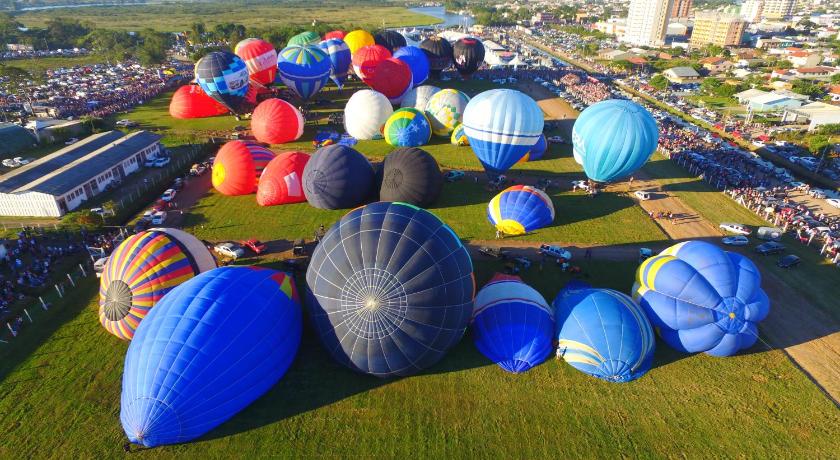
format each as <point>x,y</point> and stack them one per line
<point>686,222</point>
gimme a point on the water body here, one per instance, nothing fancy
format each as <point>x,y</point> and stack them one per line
<point>449,19</point>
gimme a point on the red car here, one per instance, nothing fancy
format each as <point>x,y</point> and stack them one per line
<point>255,245</point>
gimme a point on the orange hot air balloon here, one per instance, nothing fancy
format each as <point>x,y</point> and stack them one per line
<point>238,166</point>
<point>282,180</point>
<point>366,59</point>
<point>190,101</point>
<point>275,121</point>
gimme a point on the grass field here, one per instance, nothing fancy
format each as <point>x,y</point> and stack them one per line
<point>61,400</point>
<point>179,17</point>
<point>41,65</point>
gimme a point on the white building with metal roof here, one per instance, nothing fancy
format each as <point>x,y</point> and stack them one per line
<point>61,181</point>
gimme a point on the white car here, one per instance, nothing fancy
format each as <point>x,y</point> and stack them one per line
<point>738,240</point>
<point>833,202</point>
<point>738,229</point>
<point>22,161</point>
<point>168,195</point>
<point>581,184</point>
<point>555,139</point>
<point>231,250</point>
<point>148,215</point>
<point>161,162</point>
<point>159,218</point>
<point>10,163</point>
<point>642,195</point>
<point>71,141</point>
<point>556,252</point>
<point>150,162</point>
<point>126,123</point>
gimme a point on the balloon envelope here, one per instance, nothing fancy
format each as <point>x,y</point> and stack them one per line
<point>418,97</point>
<point>439,52</point>
<point>260,58</point>
<point>366,113</point>
<point>337,177</point>
<point>305,38</point>
<point>393,79</point>
<point>238,166</point>
<point>275,121</point>
<point>411,175</point>
<point>304,68</point>
<point>224,77</point>
<point>445,110</point>
<point>339,34</point>
<point>603,333</point>
<point>390,39</point>
<point>537,151</point>
<point>459,137</point>
<point>701,298</point>
<point>390,289</point>
<point>358,39</point>
<point>468,55</point>
<point>367,59</point>
<point>190,101</point>
<point>614,138</point>
<point>502,125</point>
<point>340,59</point>
<point>417,62</point>
<point>207,350</point>
<point>520,209</point>
<point>143,268</point>
<point>281,182</point>
<point>512,324</point>
<point>407,128</point>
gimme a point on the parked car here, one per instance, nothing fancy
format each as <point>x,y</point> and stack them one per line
<point>495,253</point>
<point>126,123</point>
<point>147,216</point>
<point>257,246</point>
<point>71,141</point>
<point>770,247</point>
<point>159,218</point>
<point>738,240</point>
<point>230,250</point>
<point>738,229</point>
<point>642,195</point>
<point>150,162</point>
<point>99,266</point>
<point>556,252</point>
<point>555,139</point>
<point>168,195</point>
<point>833,202</point>
<point>10,163</point>
<point>454,175</point>
<point>789,261</point>
<point>581,184</point>
<point>197,169</point>
<point>161,162</point>
<point>22,161</point>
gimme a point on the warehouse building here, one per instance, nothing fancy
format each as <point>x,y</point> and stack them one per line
<point>58,183</point>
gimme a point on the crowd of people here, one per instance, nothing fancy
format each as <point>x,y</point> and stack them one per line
<point>10,55</point>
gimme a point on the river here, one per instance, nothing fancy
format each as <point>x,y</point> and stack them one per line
<point>449,19</point>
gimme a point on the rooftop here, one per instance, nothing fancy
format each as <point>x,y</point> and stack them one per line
<point>683,72</point>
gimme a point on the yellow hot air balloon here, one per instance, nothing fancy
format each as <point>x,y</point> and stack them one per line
<point>357,39</point>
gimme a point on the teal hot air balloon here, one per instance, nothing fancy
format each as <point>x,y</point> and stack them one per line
<point>304,68</point>
<point>702,299</point>
<point>614,138</point>
<point>603,333</point>
<point>502,125</point>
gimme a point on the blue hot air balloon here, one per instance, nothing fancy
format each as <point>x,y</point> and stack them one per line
<point>206,351</point>
<point>390,289</point>
<point>614,138</point>
<point>512,324</point>
<point>538,150</point>
<point>701,298</point>
<point>417,62</point>
<point>340,59</point>
<point>224,77</point>
<point>603,333</point>
<point>502,126</point>
<point>520,209</point>
<point>304,68</point>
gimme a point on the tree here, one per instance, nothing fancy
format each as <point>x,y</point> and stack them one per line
<point>623,64</point>
<point>835,78</point>
<point>709,85</point>
<point>18,80</point>
<point>64,32</point>
<point>783,64</point>
<point>197,30</point>
<point>712,49</point>
<point>659,82</point>
<point>153,48</point>
<point>819,146</point>
<point>113,45</point>
<point>807,88</point>
<point>726,90</point>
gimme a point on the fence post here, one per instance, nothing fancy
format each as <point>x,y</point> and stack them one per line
<point>43,304</point>
<point>84,273</point>
<point>58,289</point>
<point>28,316</point>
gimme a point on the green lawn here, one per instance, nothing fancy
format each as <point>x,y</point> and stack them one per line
<point>61,399</point>
<point>40,65</point>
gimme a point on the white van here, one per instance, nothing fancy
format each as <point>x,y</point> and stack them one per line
<point>642,195</point>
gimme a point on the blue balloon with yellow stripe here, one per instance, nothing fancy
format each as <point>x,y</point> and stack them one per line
<point>603,333</point>
<point>459,137</point>
<point>701,298</point>
<point>407,127</point>
<point>305,69</point>
<point>520,209</point>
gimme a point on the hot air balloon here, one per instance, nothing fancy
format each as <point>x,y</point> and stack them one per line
<point>468,55</point>
<point>439,52</point>
<point>458,137</point>
<point>190,101</point>
<point>392,78</point>
<point>340,59</point>
<point>502,125</point>
<point>390,289</point>
<point>224,77</point>
<point>305,38</point>
<point>366,113</point>
<point>207,350</point>
<point>418,97</point>
<point>275,121</point>
<point>512,324</point>
<point>143,268</point>
<point>520,209</point>
<point>339,34</point>
<point>537,151</point>
<point>445,110</point>
<point>260,58</point>
<point>337,177</point>
<point>407,128</point>
<point>305,69</point>
<point>367,59</point>
<point>238,166</point>
<point>412,176</point>
<point>614,138</point>
<point>701,298</point>
<point>603,333</point>
<point>390,39</point>
<point>417,62</point>
<point>358,39</point>
<point>281,181</point>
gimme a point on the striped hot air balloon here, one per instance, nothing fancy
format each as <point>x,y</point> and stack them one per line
<point>445,110</point>
<point>520,209</point>
<point>340,60</point>
<point>282,180</point>
<point>304,68</point>
<point>261,59</point>
<point>238,166</point>
<point>224,77</point>
<point>458,137</point>
<point>407,128</point>
<point>143,268</point>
